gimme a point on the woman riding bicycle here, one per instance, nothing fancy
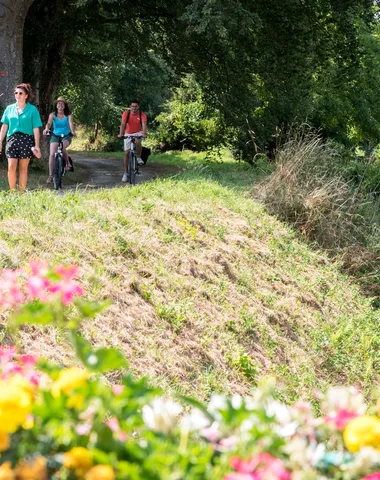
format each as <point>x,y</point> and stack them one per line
<point>62,122</point>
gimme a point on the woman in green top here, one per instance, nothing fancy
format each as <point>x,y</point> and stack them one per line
<point>21,122</point>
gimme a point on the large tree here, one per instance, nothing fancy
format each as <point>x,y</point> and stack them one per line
<point>12,18</point>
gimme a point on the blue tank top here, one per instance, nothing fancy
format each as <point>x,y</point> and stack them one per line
<point>61,127</point>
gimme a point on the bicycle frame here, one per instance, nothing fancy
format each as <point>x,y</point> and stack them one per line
<point>132,161</point>
<point>59,168</point>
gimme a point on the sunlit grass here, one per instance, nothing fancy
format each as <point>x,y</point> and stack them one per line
<point>209,293</point>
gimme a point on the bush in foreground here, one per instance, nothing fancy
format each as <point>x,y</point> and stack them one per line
<point>69,423</point>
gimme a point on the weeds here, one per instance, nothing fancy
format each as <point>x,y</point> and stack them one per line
<point>309,190</point>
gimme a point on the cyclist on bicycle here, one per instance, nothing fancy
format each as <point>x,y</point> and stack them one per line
<point>62,122</point>
<point>133,122</point>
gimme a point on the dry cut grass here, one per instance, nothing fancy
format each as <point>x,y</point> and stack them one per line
<point>209,293</point>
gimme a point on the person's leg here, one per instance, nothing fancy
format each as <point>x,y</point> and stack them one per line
<point>66,143</point>
<point>138,147</point>
<point>12,172</point>
<point>126,161</point>
<point>53,151</point>
<point>23,173</point>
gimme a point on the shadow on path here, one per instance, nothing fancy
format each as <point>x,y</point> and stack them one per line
<point>104,173</point>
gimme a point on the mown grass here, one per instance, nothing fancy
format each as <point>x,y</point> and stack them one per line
<point>209,292</point>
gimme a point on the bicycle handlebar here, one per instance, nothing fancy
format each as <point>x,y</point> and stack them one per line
<point>50,132</point>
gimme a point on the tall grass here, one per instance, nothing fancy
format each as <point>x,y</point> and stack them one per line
<point>309,189</point>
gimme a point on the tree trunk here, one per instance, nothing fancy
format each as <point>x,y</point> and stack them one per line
<point>12,17</point>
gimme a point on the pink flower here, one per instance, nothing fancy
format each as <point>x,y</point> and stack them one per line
<point>10,291</point>
<point>67,289</point>
<point>259,467</point>
<point>6,354</point>
<point>88,414</point>
<point>212,434</point>
<point>29,361</point>
<point>242,476</point>
<point>38,267</point>
<point>113,424</point>
<point>37,287</point>
<point>67,273</point>
<point>229,441</point>
<point>83,428</point>
<point>340,419</point>
<point>117,389</point>
<point>11,368</point>
<point>372,476</point>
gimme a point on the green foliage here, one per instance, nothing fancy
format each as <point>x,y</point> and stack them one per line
<point>187,121</point>
<point>247,68</point>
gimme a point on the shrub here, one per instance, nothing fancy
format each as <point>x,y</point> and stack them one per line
<point>309,189</point>
<point>187,122</point>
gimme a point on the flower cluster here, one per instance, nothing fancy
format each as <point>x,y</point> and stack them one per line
<point>38,282</point>
<point>68,423</point>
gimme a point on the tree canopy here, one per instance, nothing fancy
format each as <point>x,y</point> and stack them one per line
<point>260,65</point>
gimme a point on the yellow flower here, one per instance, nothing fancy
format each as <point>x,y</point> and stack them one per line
<point>100,472</point>
<point>6,472</point>
<point>78,459</point>
<point>5,441</point>
<point>31,470</point>
<point>76,402</point>
<point>68,380</point>
<point>16,397</point>
<point>362,432</point>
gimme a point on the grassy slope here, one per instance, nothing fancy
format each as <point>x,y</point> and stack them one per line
<point>208,292</point>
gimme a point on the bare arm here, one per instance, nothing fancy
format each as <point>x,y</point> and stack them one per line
<point>49,123</point>
<point>36,149</point>
<point>144,125</point>
<point>122,129</point>
<point>3,133</point>
<point>71,125</point>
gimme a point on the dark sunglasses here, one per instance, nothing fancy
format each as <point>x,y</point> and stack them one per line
<point>19,93</point>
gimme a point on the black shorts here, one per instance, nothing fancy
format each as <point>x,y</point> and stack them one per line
<point>19,145</point>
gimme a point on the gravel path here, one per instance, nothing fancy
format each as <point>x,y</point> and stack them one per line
<point>105,173</point>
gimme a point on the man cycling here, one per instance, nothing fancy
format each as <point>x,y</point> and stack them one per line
<point>133,122</point>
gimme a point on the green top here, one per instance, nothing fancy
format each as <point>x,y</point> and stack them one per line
<point>23,123</point>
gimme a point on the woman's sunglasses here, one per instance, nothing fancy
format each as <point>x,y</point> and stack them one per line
<point>19,93</point>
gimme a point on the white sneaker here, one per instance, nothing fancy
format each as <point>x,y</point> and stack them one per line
<point>140,161</point>
<point>125,177</point>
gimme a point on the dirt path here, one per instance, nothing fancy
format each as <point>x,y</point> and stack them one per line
<point>95,173</point>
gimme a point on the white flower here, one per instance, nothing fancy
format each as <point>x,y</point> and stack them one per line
<point>161,415</point>
<point>344,398</point>
<point>363,462</point>
<point>287,430</point>
<point>236,401</point>
<point>301,453</point>
<point>217,403</point>
<point>195,421</point>
<point>279,411</point>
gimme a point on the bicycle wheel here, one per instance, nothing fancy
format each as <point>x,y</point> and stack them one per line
<point>132,167</point>
<point>58,170</point>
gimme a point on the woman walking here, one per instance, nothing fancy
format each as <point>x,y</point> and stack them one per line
<point>21,122</point>
<point>62,122</point>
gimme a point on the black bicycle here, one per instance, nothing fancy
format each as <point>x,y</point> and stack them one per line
<point>59,162</point>
<point>133,168</point>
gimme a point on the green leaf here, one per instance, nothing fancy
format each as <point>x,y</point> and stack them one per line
<point>90,309</point>
<point>37,313</point>
<point>100,360</point>
<point>196,404</point>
